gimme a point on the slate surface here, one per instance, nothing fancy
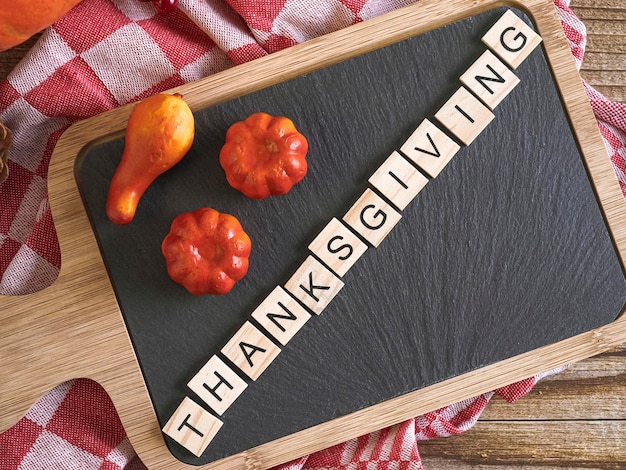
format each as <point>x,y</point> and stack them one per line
<point>504,252</point>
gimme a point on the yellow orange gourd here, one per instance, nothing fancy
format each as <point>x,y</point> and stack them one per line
<point>21,19</point>
<point>159,133</point>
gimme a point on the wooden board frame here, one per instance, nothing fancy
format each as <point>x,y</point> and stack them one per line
<point>74,327</point>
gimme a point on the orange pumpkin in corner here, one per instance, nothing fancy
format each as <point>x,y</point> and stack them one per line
<point>21,19</point>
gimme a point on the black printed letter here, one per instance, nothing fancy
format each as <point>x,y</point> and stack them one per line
<point>312,287</point>
<point>252,349</point>
<point>517,37</point>
<point>436,152</point>
<point>497,78</point>
<point>186,423</point>
<point>274,316</point>
<point>340,247</point>
<point>377,215</point>
<point>213,390</point>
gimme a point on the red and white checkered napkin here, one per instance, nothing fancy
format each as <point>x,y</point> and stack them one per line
<point>106,53</point>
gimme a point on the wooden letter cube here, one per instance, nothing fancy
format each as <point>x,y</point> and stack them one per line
<point>281,315</point>
<point>192,427</point>
<point>398,180</point>
<point>489,79</point>
<point>314,285</point>
<point>372,217</point>
<point>464,115</point>
<point>217,385</point>
<point>250,350</point>
<point>338,247</point>
<point>430,148</point>
<point>511,39</point>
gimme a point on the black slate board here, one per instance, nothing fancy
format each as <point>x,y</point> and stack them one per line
<point>504,252</point>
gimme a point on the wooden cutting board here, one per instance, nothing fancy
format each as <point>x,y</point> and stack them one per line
<point>470,329</point>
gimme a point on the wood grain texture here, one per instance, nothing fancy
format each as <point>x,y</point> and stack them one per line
<point>604,65</point>
<point>250,350</point>
<point>398,180</point>
<point>430,155</point>
<point>117,372</point>
<point>489,79</point>
<point>574,419</point>
<point>464,115</point>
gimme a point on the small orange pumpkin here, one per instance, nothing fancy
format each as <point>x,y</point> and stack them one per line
<point>21,19</point>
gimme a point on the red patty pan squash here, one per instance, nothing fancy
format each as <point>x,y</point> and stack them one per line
<point>264,155</point>
<point>206,251</point>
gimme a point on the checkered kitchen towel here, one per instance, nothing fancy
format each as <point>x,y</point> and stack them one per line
<point>106,53</point>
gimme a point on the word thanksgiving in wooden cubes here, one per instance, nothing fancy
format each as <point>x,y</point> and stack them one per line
<point>340,244</point>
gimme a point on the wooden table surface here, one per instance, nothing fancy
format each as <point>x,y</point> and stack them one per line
<point>575,419</point>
